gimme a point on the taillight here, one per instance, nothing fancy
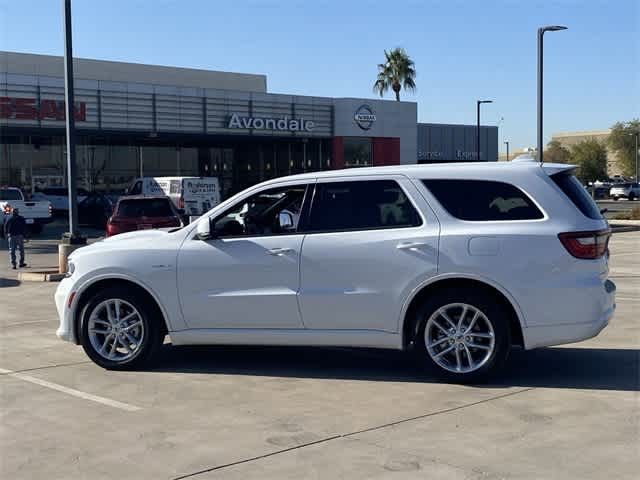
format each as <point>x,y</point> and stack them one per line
<point>50,209</point>
<point>181,203</point>
<point>587,245</point>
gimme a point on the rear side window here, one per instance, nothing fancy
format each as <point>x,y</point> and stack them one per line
<point>572,188</point>
<point>483,200</point>
<point>148,207</point>
<point>361,205</point>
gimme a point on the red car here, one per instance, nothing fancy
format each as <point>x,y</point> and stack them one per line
<point>143,213</point>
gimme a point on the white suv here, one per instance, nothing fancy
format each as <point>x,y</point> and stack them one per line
<point>630,191</point>
<point>457,262</point>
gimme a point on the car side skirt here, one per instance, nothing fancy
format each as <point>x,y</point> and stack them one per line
<point>293,337</point>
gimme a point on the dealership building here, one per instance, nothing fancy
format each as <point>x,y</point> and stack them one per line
<point>135,119</point>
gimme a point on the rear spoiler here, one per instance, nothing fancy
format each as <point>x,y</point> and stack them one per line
<point>553,168</point>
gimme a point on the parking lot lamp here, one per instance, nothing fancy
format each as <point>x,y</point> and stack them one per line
<point>636,134</point>
<point>72,239</point>
<point>541,30</point>
<point>478,103</point>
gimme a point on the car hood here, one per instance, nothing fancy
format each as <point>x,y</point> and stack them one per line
<point>137,239</point>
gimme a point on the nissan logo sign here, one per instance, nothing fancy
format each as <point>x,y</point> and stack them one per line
<point>365,117</point>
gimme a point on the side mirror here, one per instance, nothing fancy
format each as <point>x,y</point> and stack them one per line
<point>203,229</point>
<point>285,221</point>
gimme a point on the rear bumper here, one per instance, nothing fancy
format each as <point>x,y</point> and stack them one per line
<point>558,334</point>
<point>42,221</point>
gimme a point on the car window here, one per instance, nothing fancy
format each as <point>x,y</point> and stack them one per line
<point>572,188</point>
<point>483,200</point>
<point>10,194</point>
<point>258,214</point>
<point>145,207</point>
<point>136,189</point>
<point>361,205</point>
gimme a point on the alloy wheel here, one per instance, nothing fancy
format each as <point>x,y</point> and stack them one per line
<point>459,338</point>
<point>116,330</point>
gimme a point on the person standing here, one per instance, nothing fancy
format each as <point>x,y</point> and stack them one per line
<point>14,229</point>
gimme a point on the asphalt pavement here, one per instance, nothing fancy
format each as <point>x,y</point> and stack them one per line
<point>615,207</point>
<point>239,412</point>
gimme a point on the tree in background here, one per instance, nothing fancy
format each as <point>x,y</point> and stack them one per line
<point>590,156</point>
<point>622,142</point>
<point>396,72</point>
<point>556,153</point>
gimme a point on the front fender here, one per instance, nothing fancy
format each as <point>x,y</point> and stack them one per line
<point>172,318</point>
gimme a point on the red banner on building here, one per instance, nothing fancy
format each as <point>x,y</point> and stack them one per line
<point>29,109</point>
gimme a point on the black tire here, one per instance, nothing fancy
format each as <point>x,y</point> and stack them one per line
<point>632,196</point>
<point>36,228</point>
<point>151,321</point>
<point>615,199</point>
<point>495,312</point>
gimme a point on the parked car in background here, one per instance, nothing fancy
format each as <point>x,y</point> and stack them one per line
<point>35,213</point>
<point>143,213</point>
<point>194,195</point>
<point>630,191</point>
<point>95,210</point>
<point>59,198</point>
<point>598,190</point>
<point>386,257</point>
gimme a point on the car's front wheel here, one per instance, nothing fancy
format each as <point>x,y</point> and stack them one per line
<point>120,329</point>
<point>463,335</point>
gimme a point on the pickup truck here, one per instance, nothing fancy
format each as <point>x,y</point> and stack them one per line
<point>36,214</point>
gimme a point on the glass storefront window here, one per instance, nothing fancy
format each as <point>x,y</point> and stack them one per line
<point>357,152</point>
<point>109,164</point>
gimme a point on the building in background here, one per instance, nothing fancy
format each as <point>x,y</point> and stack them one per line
<point>568,139</point>
<point>446,143</point>
<point>151,120</point>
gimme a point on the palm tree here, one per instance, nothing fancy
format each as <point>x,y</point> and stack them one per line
<point>396,72</point>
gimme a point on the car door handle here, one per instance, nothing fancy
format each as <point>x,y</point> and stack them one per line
<point>279,251</point>
<point>411,245</point>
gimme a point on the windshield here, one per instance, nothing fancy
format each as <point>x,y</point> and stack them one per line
<point>146,207</point>
<point>10,194</point>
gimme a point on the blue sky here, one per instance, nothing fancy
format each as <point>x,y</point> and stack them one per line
<point>463,50</point>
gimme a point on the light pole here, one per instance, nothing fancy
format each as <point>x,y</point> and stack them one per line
<point>70,123</point>
<point>541,30</point>
<point>72,239</point>
<point>636,134</point>
<point>507,144</point>
<point>478,103</point>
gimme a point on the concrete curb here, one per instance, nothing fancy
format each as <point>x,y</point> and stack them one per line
<point>619,226</point>
<point>626,223</point>
<point>40,276</point>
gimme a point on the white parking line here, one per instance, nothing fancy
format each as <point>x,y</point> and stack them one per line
<point>30,321</point>
<point>622,297</point>
<point>71,391</point>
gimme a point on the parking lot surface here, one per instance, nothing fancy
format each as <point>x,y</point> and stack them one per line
<point>239,412</point>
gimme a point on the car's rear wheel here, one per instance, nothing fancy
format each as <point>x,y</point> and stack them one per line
<point>463,335</point>
<point>615,198</point>
<point>120,329</point>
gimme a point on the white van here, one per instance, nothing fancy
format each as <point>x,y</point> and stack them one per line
<point>195,195</point>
